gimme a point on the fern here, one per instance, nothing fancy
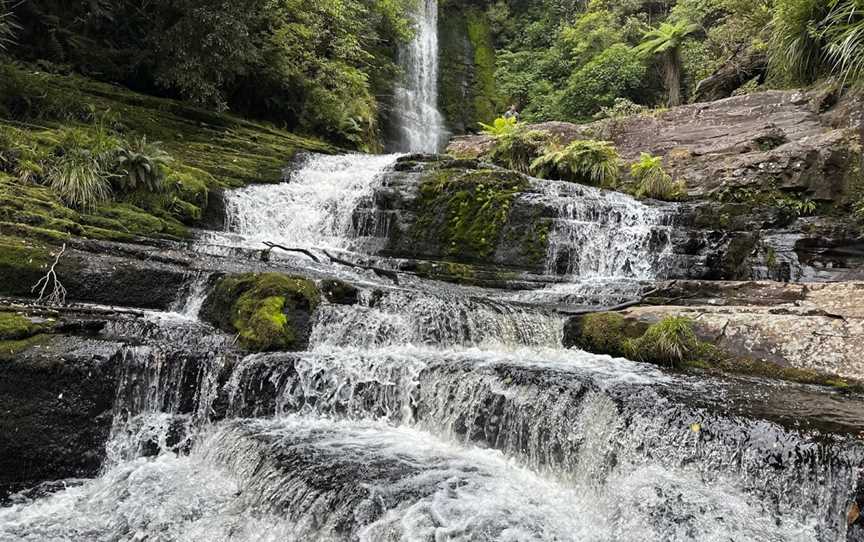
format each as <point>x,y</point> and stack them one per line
<point>516,150</point>
<point>501,127</point>
<point>583,161</point>
<point>142,164</point>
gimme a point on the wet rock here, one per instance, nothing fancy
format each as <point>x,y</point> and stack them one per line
<point>268,311</point>
<point>339,292</point>
<point>777,139</point>
<point>56,399</point>
<point>811,328</point>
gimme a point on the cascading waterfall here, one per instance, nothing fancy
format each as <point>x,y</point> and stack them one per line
<point>419,122</point>
<point>432,413</point>
<point>311,209</point>
<point>600,234</point>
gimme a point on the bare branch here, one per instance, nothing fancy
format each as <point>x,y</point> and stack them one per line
<point>57,293</point>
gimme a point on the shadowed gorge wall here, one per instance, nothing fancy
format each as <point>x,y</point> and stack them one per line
<point>467,90</point>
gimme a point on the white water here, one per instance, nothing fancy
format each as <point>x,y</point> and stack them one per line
<point>600,234</point>
<point>310,209</point>
<point>420,124</point>
<point>428,414</point>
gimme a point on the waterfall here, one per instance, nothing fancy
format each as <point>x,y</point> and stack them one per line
<point>419,122</point>
<point>311,209</point>
<point>600,234</point>
<point>428,412</point>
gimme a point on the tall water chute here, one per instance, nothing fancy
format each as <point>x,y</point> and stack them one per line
<point>419,122</point>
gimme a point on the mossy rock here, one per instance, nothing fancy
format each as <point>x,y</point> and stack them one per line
<point>464,212</point>
<point>602,333</point>
<point>22,264</point>
<point>268,311</point>
<point>15,327</point>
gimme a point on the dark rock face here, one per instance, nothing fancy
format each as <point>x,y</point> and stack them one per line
<point>462,211</point>
<point>339,292</point>
<point>56,403</point>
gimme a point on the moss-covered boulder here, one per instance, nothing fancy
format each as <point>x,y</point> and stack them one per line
<point>268,311</point>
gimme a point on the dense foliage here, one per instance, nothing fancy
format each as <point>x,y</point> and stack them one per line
<point>314,66</point>
<point>575,60</point>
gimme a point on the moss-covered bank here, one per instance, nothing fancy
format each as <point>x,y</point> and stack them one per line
<point>40,113</point>
<point>267,311</point>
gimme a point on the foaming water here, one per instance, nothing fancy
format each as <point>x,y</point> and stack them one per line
<point>414,318</point>
<point>311,209</point>
<point>420,124</point>
<point>317,478</point>
<point>603,234</point>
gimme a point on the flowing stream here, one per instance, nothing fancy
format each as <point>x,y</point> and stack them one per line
<point>427,412</point>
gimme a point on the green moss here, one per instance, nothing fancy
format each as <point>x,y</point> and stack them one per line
<point>9,349</point>
<point>39,113</point>
<point>671,341</point>
<point>268,311</point>
<point>486,101</point>
<point>14,327</point>
<point>465,211</point>
<point>605,333</point>
<point>468,93</point>
<point>22,264</point>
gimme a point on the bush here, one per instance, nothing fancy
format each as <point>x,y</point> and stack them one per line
<point>670,341</point>
<point>142,164</point>
<point>582,161</point>
<point>518,148</point>
<point>653,181</point>
<point>615,73</point>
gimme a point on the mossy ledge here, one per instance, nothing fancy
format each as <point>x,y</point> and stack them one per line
<point>672,342</point>
<point>267,311</point>
<point>209,151</point>
<point>465,211</point>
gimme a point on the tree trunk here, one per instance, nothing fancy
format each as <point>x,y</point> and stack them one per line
<point>672,77</point>
<point>741,67</point>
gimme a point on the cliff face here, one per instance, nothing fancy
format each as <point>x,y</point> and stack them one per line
<point>467,90</point>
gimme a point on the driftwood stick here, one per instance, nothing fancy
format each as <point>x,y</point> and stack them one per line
<point>619,307</point>
<point>386,273</point>
<point>271,246</point>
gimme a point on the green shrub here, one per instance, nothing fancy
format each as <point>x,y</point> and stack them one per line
<point>621,108</point>
<point>614,73</point>
<point>8,26</point>
<point>582,161</point>
<point>517,149</point>
<point>670,341</point>
<point>796,207</point>
<point>653,181</point>
<point>142,164</point>
<point>813,38</point>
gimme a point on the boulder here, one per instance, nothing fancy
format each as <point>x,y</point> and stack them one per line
<point>816,328</point>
